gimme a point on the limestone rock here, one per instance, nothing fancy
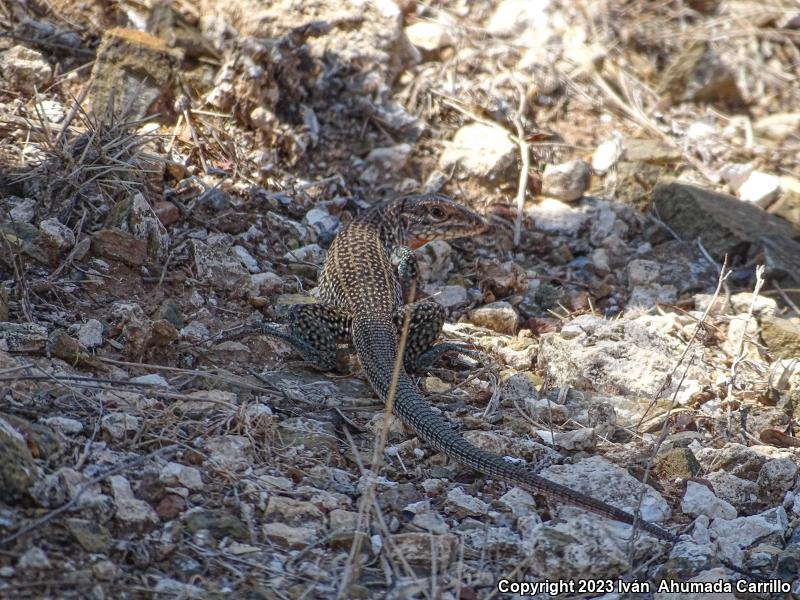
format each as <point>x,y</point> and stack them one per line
<point>481,151</point>
<point>699,500</point>
<point>24,69</point>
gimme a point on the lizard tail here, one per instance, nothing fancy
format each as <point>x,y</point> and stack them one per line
<point>375,342</point>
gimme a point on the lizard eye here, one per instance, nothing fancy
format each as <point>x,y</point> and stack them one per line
<point>437,213</point>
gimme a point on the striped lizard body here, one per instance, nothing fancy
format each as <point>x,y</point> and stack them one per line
<point>363,284</point>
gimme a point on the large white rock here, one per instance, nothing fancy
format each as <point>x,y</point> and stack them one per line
<point>481,151</point>
<point>699,500</point>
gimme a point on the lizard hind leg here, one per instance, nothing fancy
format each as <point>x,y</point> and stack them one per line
<point>425,325</point>
<point>314,331</point>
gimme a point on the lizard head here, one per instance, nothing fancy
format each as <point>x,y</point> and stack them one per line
<point>427,217</point>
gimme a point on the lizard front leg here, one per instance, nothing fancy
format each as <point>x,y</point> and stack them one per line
<point>404,262</point>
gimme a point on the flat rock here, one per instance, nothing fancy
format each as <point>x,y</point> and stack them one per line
<point>29,338</point>
<point>121,246</point>
<point>91,535</point>
<point>651,151</point>
<point>463,504</point>
<point>605,481</point>
<point>582,547</point>
<point>177,474</point>
<point>740,493</point>
<point>90,335</point>
<point>760,188</point>
<point>34,559</point>
<point>217,264</point>
<point>727,226</point>
<point>746,531</point>
<point>311,433</point>
<point>627,357</point>
<point>290,536</point>
<point>293,512</point>
<point>422,548</point>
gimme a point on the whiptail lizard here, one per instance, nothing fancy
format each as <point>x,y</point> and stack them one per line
<point>366,275</point>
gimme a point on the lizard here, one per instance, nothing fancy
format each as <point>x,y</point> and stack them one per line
<point>364,291</point>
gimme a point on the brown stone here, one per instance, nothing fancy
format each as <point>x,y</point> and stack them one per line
<point>120,245</point>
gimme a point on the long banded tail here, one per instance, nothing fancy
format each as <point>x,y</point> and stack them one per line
<point>376,345</point>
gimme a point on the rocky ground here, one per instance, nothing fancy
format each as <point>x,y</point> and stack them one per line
<point>169,172</point>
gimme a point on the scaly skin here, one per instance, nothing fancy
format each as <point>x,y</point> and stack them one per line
<point>360,286</point>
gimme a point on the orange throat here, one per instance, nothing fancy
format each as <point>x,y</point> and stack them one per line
<point>416,242</point>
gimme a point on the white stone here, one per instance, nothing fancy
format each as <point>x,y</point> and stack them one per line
<point>482,151</point>
<point>151,379</point>
<point>129,508</point>
<point>449,296</point>
<point>309,253</point>
<point>605,481</point>
<point>57,234</point>
<point>23,210</point>
<point>229,452</point>
<point>90,335</point>
<point>735,174</point>
<point>699,500</point>
<point>745,531</point>
<point>64,424</point>
<point>34,559</point>
<point>554,216</point>
<point>607,154</point>
<point>195,331</point>
<point>118,424</point>
<point>175,473</point>
<point>462,503</point>
<point>249,262</point>
<point>760,188</point>
<point>429,35</point>
<point>321,220</point>
<point>567,181</point>
<point>512,17</point>
<point>387,161</point>
<point>519,502</point>
<point>643,272</point>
